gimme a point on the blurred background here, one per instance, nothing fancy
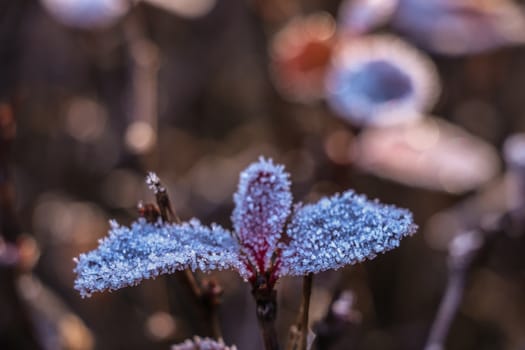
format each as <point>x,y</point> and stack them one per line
<point>408,101</point>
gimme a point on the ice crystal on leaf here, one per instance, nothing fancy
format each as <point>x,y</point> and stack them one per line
<point>202,344</point>
<point>146,250</point>
<point>262,205</point>
<point>268,240</point>
<point>340,230</point>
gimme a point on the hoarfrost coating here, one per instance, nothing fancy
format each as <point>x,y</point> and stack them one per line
<point>146,250</point>
<point>336,231</point>
<point>262,204</point>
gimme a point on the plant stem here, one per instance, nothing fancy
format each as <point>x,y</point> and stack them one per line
<point>297,339</point>
<point>462,252</point>
<point>447,312</point>
<point>269,335</point>
<point>305,307</point>
<point>266,309</point>
<point>191,282</point>
<point>205,293</point>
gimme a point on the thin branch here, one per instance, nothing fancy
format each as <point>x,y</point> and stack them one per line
<point>466,247</point>
<point>305,308</point>
<point>211,293</point>
<point>206,293</point>
<point>462,252</point>
<point>297,339</point>
<point>192,283</point>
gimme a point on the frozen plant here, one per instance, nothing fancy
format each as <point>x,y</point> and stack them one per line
<point>202,344</point>
<point>270,239</point>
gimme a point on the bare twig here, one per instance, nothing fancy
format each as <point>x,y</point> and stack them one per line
<point>206,293</point>
<point>211,296</point>
<point>305,308</point>
<point>463,250</point>
<point>299,331</point>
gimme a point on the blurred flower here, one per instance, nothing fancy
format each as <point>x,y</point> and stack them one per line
<point>449,27</point>
<point>268,242</point>
<point>202,344</point>
<point>185,8</point>
<point>86,13</point>
<point>456,27</point>
<point>430,153</point>
<point>361,16</point>
<point>380,80</point>
<point>461,26</point>
<point>300,55</point>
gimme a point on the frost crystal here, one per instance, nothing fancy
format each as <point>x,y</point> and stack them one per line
<point>147,250</point>
<point>202,344</point>
<point>153,182</point>
<point>336,231</point>
<point>340,230</point>
<point>262,205</point>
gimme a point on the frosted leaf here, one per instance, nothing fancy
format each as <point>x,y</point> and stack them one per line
<point>146,250</point>
<point>262,205</point>
<point>343,229</point>
<point>202,344</point>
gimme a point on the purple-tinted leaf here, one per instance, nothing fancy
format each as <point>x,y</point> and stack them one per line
<point>262,205</point>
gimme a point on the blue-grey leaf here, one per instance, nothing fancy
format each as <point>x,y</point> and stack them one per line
<point>343,229</point>
<point>146,250</point>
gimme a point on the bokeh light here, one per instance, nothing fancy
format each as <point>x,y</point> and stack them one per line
<point>85,119</point>
<point>87,13</point>
<point>140,137</point>
<point>300,55</point>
